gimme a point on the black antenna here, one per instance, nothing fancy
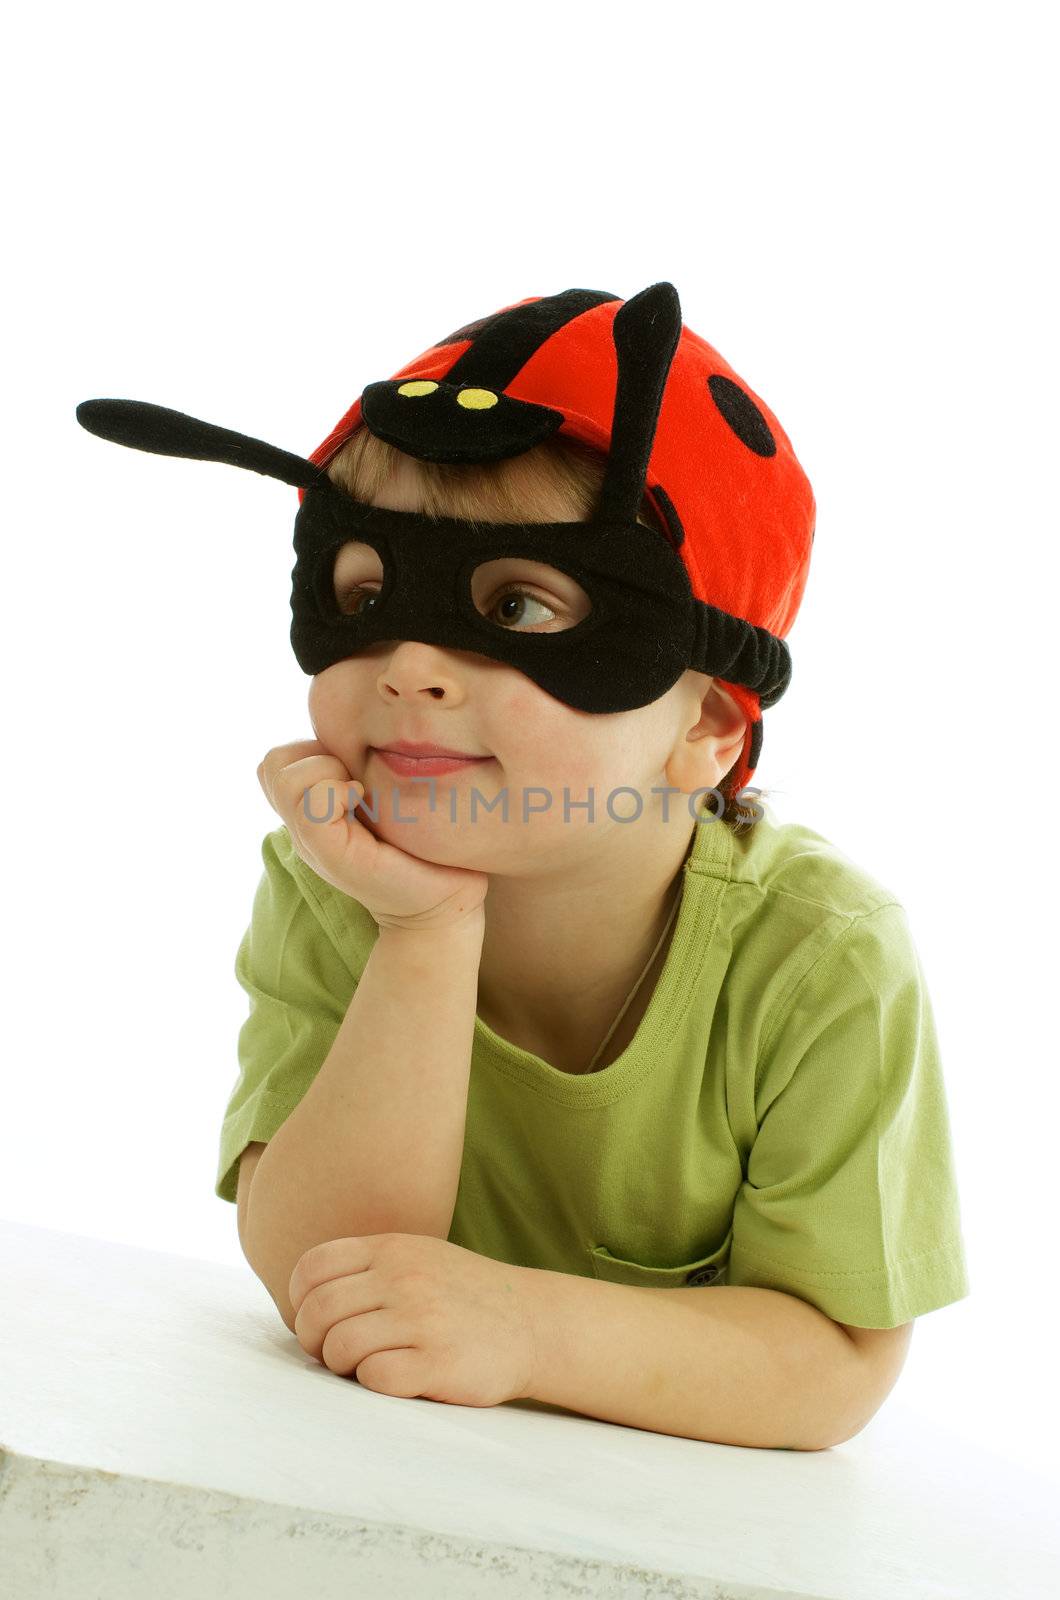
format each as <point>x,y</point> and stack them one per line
<point>646,331</point>
<point>143,426</point>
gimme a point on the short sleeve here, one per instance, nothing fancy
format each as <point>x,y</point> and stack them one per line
<point>850,1198</point>
<point>299,986</point>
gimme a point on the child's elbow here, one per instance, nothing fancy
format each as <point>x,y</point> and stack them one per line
<point>247,1163</point>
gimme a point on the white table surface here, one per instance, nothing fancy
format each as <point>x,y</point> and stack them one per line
<point>163,1434</point>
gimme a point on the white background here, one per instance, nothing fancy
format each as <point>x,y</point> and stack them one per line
<point>250,212</point>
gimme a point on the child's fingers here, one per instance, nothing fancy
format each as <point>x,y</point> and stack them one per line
<point>284,775</point>
<point>326,833</point>
<point>282,755</point>
<point>327,802</point>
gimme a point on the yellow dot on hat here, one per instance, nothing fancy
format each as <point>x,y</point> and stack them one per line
<point>476,399</point>
<point>418,386</point>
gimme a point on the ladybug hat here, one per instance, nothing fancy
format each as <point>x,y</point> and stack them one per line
<point>717,592</point>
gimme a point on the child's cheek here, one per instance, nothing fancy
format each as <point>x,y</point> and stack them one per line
<point>518,721</point>
<point>541,741</point>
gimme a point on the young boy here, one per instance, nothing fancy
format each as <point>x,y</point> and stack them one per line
<point>531,1029</point>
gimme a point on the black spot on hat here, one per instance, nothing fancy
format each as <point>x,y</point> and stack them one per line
<point>674,527</point>
<point>742,415</point>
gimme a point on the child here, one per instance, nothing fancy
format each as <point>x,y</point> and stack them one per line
<point>539,1000</point>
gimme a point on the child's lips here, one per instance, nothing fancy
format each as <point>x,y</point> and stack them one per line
<point>427,766</point>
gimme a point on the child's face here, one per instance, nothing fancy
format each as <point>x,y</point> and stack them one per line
<point>541,751</point>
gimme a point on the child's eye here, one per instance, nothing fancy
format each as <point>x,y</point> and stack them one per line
<point>524,594</point>
<point>349,598</point>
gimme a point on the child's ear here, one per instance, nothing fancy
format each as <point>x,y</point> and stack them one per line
<point>708,749</point>
<point>719,715</point>
<point>733,725</point>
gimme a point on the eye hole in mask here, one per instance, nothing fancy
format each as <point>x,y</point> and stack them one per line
<point>516,593</point>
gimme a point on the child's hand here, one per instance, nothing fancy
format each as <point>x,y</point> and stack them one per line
<point>410,1315</point>
<point>397,888</point>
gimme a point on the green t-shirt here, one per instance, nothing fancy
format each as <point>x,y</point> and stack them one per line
<point>778,1121</point>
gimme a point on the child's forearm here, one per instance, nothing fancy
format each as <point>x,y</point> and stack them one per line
<point>376,1143</point>
<point>726,1364</point>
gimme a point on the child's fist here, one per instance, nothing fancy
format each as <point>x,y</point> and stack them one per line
<point>303,781</point>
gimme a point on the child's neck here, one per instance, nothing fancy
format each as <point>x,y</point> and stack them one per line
<point>559,959</point>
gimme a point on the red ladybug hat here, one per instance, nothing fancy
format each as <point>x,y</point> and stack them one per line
<point>716,592</point>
